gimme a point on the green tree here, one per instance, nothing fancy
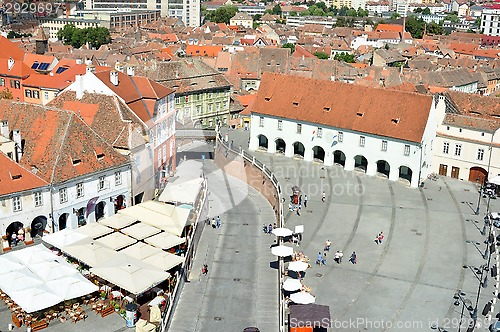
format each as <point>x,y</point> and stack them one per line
<point>257,17</point>
<point>351,12</point>
<point>223,14</point>
<point>418,10</point>
<point>415,26</point>
<point>346,57</point>
<point>343,11</point>
<point>66,33</point>
<point>435,29</point>
<point>361,12</point>
<point>277,10</point>
<point>426,11</point>
<point>6,94</point>
<point>322,6</point>
<point>451,17</point>
<point>290,46</point>
<point>395,16</point>
<point>293,13</point>
<point>94,36</point>
<point>341,22</point>
<point>321,55</point>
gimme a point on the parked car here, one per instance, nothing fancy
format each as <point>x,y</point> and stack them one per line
<point>254,329</point>
<point>495,327</point>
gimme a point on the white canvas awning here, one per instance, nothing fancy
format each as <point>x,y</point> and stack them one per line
<point>182,190</point>
<point>53,270</point>
<point>160,215</point>
<point>140,250</point>
<point>165,240</point>
<point>19,280</point>
<point>90,253</point>
<point>116,241</point>
<point>36,298</point>
<point>164,260</point>
<point>71,287</point>
<point>7,265</point>
<point>131,274</point>
<point>118,221</point>
<point>32,255</point>
<point>63,238</point>
<point>94,230</point>
<point>140,231</point>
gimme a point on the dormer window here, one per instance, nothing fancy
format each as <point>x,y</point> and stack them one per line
<point>360,114</point>
<point>395,121</point>
<point>78,161</point>
<point>99,154</point>
<point>15,176</point>
<point>326,109</point>
<point>267,98</point>
<point>295,103</point>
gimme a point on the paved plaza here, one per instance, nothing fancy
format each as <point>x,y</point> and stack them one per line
<point>406,283</point>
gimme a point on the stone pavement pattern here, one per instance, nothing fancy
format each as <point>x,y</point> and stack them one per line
<point>408,282</point>
<point>240,289</point>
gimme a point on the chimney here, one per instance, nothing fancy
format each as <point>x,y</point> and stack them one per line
<point>90,68</point>
<point>79,89</point>
<point>10,63</point>
<point>119,66</point>
<point>78,61</point>
<point>4,128</point>
<point>130,70</point>
<point>16,137</point>
<point>113,77</point>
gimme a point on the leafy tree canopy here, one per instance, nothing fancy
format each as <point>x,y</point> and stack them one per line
<point>222,14</point>
<point>321,55</point>
<point>290,46</point>
<point>346,57</point>
<point>76,37</point>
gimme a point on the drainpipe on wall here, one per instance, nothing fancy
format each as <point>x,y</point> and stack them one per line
<point>490,153</point>
<point>420,166</point>
<point>52,207</point>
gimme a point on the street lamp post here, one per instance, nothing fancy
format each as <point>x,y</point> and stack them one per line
<point>459,298</point>
<point>479,200</point>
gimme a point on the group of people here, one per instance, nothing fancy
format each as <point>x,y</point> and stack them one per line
<point>297,205</point>
<point>215,222</point>
<point>379,238</point>
<point>17,237</point>
<point>321,260</point>
<point>268,229</point>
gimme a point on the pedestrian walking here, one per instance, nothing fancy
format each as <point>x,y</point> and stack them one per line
<point>341,254</point>
<point>217,224</point>
<point>354,258</point>
<point>323,260</point>
<point>323,197</point>
<point>381,237</point>
<point>305,200</point>
<point>298,211</point>
<point>377,237</point>
<point>270,229</point>
<point>328,244</point>
<point>213,223</point>
<point>320,258</point>
<point>14,239</point>
<point>264,228</point>
<point>204,269</point>
<point>232,143</point>
<point>300,200</point>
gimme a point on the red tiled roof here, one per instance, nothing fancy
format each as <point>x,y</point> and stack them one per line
<point>54,138</point>
<point>15,178</point>
<point>302,52</point>
<point>389,27</point>
<point>19,69</point>
<point>10,50</point>
<point>197,50</point>
<point>86,111</point>
<point>395,114</point>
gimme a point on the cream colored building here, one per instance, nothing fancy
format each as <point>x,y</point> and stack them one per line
<point>242,19</point>
<point>53,25</point>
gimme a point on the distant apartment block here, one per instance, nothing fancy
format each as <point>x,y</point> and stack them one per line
<point>490,21</point>
<point>300,21</point>
<point>53,25</point>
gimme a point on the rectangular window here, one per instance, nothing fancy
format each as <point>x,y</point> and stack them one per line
<point>458,150</point>
<point>63,195</point>
<point>46,95</point>
<point>480,154</point>
<point>341,137</point>
<point>446,147</point>
<point>16,204</point>
<point>2,81</point>
<point>407,150</point>
<point>280,125</point>
<point>36,94</point>
<point>100,185</point>
<point>79,190</point>
<point>320,132</point>
<point>261,121</point>
<point>361,141</point>
<point>38,199</point>
<point>27,93</point>
<point>384,145</point>
<point>118,178</point>
<point>299,128</point>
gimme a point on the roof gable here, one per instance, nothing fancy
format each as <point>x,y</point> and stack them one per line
<point>15,178</point>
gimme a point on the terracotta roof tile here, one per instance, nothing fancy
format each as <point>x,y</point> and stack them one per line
<point>10,49</point>
<point>16,178</point>
<point>395,114</point>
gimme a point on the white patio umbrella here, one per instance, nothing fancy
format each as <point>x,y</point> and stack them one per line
<point>53,270</point>
<point>71,287</point>
<point>164,260</point>
<point>8,265</point>
<point>19,280</point>
<point>291,285</point>
<point>282,231</point>
<point>302,298</point>
<point>63,238</point>
<point>495,180</point>
<point>282,251</point>
<point>36,298</point>
<point>298,266</point>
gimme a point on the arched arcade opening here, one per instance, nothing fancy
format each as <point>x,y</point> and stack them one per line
<point>298,149</point>
<point>263,142</point>
<point>280,145</point>
<point>38,225</point>
<point>360,162</point>
<point>339,157</point>
<point>405,173</point>
<point>318,153</point>
<point>383,167</point>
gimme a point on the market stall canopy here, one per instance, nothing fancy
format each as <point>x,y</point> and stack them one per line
<point>144,326</point>
<point>130,274</point>
<point>311,313</point>
<point>53,270</point>
<point>291,285</point>
<point>165,240</point>
<point>182,190</point>
<point>118,221</point>
<point>282,231</point>
<point>32,255</point>
<point>94,230</point>
<point>302,298</point>
<point>160,215</point>
<point>298,266</point>
<point>140,250</point>
<point>164,260</point>
<point>116,241</point>
<point>63,238</point>
<point>36,298</point>
<point>282,251</point>
<point>19,280</point>
<point>7,265</point>
<point>140,231</point>
<point>90,252</point>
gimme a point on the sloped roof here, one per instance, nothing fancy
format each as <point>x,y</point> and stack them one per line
<point>395,114</point>
<point>55,138</point>
<point>469,104</point>
<point>10,50</point>
<point>16,178</point>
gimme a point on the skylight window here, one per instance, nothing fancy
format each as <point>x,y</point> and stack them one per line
<point>78,161</point>
<point>360,114</point>
<point>395,121</point>
<point>326,109</point>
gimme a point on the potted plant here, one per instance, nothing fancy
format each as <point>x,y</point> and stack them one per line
<point>122,312</point>
<point>112,303</point>
<point>103,295</point>
<point>117,307</point>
